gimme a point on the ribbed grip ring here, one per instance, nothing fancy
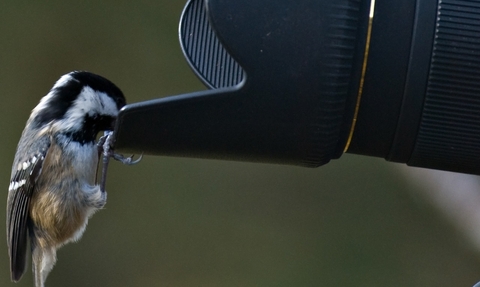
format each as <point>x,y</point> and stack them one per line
<point>449,133</point>
<point>204,52</point>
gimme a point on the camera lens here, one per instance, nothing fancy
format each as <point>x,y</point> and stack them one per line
<point>302,82</point>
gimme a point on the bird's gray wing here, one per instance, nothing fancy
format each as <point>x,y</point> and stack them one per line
<point>22,185</point>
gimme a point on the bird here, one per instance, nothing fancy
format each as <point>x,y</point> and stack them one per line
<point>53,190</point>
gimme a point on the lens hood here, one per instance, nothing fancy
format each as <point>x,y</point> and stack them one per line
<point>300,72</point>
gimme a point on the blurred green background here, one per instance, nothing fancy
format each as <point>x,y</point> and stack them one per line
<point>192,222</point>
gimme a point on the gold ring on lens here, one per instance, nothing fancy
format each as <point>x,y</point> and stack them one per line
<point>362,79</point>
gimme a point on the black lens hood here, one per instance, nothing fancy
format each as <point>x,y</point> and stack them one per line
<point>302,62</point>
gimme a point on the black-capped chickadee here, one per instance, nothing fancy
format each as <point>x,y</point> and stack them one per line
<point>52,191</point>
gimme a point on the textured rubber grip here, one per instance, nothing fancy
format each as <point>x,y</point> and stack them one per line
<point>204,52</point>
<point>449,133</point>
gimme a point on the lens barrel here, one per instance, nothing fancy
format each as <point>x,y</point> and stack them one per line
<point>395,80</point>
<point>421,97</point>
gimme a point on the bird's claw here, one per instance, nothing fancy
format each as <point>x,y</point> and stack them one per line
<point>105,150</point>
<point>126,160</point>
<point>105,144</point>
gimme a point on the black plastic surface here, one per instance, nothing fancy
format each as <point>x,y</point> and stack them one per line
<point>416,82</point>
<point>299,59</point>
